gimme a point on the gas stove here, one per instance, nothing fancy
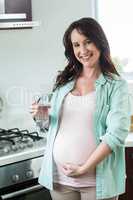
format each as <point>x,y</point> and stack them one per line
<point>21,155</point>
<point>17,145</point>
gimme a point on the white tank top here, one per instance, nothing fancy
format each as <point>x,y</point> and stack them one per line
<point>75,140</point>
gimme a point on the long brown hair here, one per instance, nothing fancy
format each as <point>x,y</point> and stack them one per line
<point>90,28</point>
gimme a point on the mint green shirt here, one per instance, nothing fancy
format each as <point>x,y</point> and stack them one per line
<point>111,125</point>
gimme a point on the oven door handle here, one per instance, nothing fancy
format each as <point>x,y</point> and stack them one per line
<point>21,192</point>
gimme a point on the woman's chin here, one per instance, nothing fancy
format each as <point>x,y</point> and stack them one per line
<point>87,65</point>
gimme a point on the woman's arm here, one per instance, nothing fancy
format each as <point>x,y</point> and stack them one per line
<point>101,152</point>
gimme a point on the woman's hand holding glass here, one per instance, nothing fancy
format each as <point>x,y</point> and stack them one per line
<point>40,107</point>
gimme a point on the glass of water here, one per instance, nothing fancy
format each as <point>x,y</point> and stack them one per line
<point>42,117</point>
<point>44,100</point>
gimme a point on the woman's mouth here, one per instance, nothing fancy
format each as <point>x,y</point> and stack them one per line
<point>87,57</point>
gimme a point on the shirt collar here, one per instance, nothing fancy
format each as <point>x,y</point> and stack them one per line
<point>101,80</point>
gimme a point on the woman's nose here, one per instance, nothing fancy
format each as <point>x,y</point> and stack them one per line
<point>83,49</point>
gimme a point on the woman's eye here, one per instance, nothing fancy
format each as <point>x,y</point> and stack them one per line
<point>75,45</point>
<point>88,41</point>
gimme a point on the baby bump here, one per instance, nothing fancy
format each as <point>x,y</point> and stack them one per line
<point>71,150</point>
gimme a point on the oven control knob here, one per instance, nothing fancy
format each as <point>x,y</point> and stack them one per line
<point>29,174</point>
<point>15,178</point>
<point>6,149</point>
<point>30,144</point>
<point>22,146</point>
<point>14,148</point>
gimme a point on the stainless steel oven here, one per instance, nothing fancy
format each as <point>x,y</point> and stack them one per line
<point>21,155</point>
<point>19,181</point>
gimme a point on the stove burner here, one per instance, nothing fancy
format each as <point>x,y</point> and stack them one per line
<point>15,140</point>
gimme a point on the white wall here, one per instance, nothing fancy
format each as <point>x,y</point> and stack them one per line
<point>30,59</point>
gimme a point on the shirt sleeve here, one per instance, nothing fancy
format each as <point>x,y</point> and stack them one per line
<point>118,118</point>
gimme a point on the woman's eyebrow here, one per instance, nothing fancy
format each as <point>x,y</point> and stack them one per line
<point>74,42</point>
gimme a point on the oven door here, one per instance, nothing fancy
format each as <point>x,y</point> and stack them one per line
<point>26,192</point>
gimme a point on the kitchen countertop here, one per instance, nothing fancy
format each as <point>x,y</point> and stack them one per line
<point>129,140</point>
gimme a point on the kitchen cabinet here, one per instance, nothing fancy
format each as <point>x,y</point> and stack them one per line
<point>128,195</point>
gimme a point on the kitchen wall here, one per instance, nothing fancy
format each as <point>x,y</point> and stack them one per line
<point>30,59</point>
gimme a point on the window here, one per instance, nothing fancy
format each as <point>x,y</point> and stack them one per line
<point>116,16</point>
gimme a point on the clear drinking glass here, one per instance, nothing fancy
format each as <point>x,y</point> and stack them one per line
<point>44,100</point>
<point>42,117</point>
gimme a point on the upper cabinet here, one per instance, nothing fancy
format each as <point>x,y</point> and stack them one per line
<point>16,14</point>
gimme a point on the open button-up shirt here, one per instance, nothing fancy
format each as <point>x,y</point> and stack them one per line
<point>111,124</point>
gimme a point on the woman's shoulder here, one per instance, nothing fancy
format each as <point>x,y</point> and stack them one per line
<point>116,85</point>
<point>116,80</point>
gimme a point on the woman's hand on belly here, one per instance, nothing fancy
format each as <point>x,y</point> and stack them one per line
<point>72,170</point>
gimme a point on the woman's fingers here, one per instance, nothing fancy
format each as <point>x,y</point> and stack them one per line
<point>71,170</point>
<point>39,110</point>
<point>67,169</point>
<point>34,109</point>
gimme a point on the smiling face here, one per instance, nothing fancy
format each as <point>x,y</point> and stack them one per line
<point>85,51</point>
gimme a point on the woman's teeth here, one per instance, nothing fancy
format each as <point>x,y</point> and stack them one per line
<point>87,57</point>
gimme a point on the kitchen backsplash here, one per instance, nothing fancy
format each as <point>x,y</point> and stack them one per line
<point>16,103</point>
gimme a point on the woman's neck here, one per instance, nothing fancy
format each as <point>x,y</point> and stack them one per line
<point>90,73</point>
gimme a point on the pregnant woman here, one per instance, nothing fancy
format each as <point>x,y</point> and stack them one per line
<point>88,120</point>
